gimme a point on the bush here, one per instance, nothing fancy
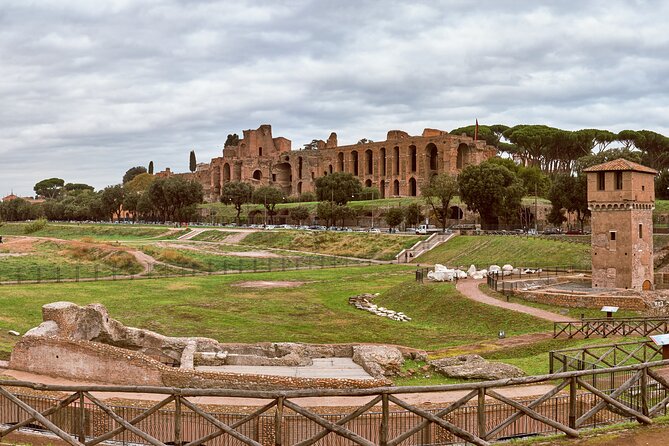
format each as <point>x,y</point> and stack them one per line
<point>122,260</point>
<point>35,226</point>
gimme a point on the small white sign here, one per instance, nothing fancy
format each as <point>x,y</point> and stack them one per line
<point>610,309</point>
<point>661,340</point>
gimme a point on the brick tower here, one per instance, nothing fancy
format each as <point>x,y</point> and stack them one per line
<point>621,199</point>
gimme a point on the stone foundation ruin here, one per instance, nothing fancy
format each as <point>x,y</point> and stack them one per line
<point>84,343</point>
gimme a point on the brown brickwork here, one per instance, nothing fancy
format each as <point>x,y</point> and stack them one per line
<point>396,166</point>
<point>621,198</point>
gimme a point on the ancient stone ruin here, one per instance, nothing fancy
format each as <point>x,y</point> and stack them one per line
<point>85,343</point>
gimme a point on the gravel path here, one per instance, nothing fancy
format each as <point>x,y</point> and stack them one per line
<point>470,289</point>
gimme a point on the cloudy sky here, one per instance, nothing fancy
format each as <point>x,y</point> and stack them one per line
<point>91,88</point>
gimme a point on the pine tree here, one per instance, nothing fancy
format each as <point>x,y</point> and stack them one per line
<point>193,162</point>
<point>150,167</point>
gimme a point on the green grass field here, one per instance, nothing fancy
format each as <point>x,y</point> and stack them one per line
<point>351,244</point>
<point>317,311</point>
<point>213,236</point>
<point>487,250</point>
<point>68,231</point>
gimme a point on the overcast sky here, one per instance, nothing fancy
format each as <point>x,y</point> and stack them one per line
<point>89,88</point>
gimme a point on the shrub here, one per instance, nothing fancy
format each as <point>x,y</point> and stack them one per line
<point>35,226</point>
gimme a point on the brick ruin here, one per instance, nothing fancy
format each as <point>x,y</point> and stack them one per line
<point>86,343</point>
<point>396,166</point>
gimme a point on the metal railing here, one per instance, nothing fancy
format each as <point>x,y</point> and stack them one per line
<point>478,413</point>
<point>605,327</point>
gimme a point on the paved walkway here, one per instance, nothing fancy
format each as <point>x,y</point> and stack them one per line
<point>470,289</point>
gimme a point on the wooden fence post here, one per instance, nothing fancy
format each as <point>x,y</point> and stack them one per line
<point>385,415</point>
<point>82,419</point>
<point>278,419</point>
<point>177,420</point>
<point>644,391</point>
<point>480,413</point>
<point>572,402</point>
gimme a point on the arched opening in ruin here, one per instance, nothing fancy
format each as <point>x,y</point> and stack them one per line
<point>299,167</point>
<point>382,161</point>
<point>368,183</point>
<point>412,155</point>
<point>646,285</point>
<point>382,188</point>
<point>369,162</point>
<point>216,181</point>
<point>412,187</point>
<point>432,156</point>
<point>455,213</point>
<point>340,161</point>
<point>396,160</point>
<point>284,177</point>
<point>259,151</point>
<point>462,156</point>
<point>396,187</point>
<point>238,172</point>
<point>299,187</point>
<point>354,159</point>
<point>330,168</point>
<point>226,172</point>
<point>257,175</point>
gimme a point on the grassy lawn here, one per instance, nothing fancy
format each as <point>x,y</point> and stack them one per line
<point>94,231</point>
<point>486,250</point>
<point>60,260</point>
<point>213,236</point>
<point>351,244</point>
<point>317,311</point>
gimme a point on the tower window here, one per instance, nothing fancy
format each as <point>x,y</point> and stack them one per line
<point>612,236</point>
<point>601,180</point>
<point>640,230</point>
<point>259,151</point>
<point>619,180</point>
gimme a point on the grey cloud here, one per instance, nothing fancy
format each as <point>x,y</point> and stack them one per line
<point>90,89</point>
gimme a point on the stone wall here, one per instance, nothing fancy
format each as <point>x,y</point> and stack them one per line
<point>584,300</point>
<point>96,362</point>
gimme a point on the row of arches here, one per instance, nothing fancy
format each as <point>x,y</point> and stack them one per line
<point>430,155</point>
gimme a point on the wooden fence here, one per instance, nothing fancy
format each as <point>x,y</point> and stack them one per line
<point>603,356</point>
<point>478,413</point>
<point>602,328</point>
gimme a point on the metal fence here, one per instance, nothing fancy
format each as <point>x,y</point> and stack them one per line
<point>477,413</point>
<point>93,273</point>
<point>509,282</point>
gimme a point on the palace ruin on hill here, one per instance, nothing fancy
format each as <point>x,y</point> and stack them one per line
<point>396,166</point>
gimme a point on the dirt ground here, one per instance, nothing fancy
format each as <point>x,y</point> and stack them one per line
<point>639,436</point>
<point>268,284</point>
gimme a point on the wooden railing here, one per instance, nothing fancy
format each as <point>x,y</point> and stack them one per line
<point>478,413</point>
<point>603,356</point>
<point>603,328</point>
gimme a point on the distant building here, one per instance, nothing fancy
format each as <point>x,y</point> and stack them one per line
<point>30,200</point>
<point>396,166</point>
<point>621,199</point>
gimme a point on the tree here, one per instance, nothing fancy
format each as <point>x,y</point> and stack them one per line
<point>299,214</point>
<point>236,194</point>
<point>394,217</point>
<point>662,185</point>
<point>74,188</point>
<point>140,183</point>
<point>438,192</point>
<point>342,213</point>
<point>491,134</point>
<point>325,212</point>
<point>313,145</point>
<point>49,188</point>
<point>192,164</point>
<point>133,172</point>
<point>413,214</point>
<point>269,197</point>
<point>570,193</point>
<point>338,187</point>
<point>150,167</point>
<point>491,190</point>
<point>131,203</point>
<point>175,198</point>
<point>112,200</point>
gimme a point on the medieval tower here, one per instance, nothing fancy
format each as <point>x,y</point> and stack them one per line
<point>621,198</point>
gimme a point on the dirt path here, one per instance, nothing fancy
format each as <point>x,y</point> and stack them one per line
<point>441,398</point>
<point>470,289</point>
<point>492,345</point>
<point>237,234</point>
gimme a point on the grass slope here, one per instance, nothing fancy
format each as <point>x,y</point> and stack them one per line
<point>351,244</point>
<point>317,311</point>
<point>95,231</point>
<point>486,250</point>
